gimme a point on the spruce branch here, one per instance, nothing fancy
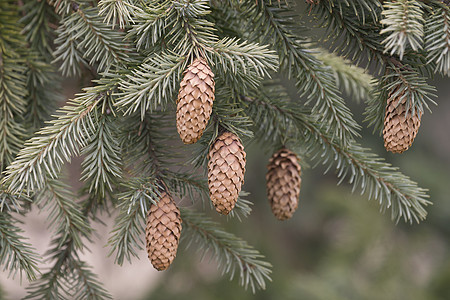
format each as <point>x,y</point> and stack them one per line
<point>68,54</point>
<point>187,185</point>
<point>351,37</point>
<point>83,36</point>
<point>38,18</point>
<point>195,30</point>
<point>16,255</point>
<point>64,213</point>
<point>234,54</point>
<point>229,115</point>
<point>53,145</point>
<point>144,144</point>
<point>437,40</point>
<point>152,85</point>
<point>363,10</point>
<point>117,12</point>
<point>12,84</point>
<point>403,21</point>
<point>87,285</point>
<point>126,237</point>
<point>64,7</point>
<point>153,23</point>
<point>232,254</point>
<point>102,161</point>
<point>378,179</point>
<point>10,202</point>
<point>12,106</point>
<point>354,80</point>
<point>68,277</point>
<point>43,92</point>
<point>276,27</point>
<point>358,40</point>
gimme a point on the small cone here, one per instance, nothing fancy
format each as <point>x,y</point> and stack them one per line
<point>400,127</point>
<point>226,168</point>
<point>163,232</point>
<point>283,183</point>
<point>195,101</point>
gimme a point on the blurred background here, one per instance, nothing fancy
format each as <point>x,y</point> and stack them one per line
<point>337,246</point>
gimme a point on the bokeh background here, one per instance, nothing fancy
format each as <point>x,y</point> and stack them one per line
<point>337,246</point>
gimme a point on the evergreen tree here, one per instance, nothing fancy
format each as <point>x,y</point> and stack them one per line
<point>225,60</point>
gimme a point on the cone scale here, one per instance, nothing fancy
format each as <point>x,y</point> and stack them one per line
<point>400,126</point>
<point>195,100</point>
<point>163,232</point>
<point>283,183</point>
<point>226,168</point>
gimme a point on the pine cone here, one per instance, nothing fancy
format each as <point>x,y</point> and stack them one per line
<point>400,127</point>
<point>226,168</point>
<point>195,101</point>
<point>163,232</point>
<point>283,183</point>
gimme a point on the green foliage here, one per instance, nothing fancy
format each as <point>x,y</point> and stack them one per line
<point>403,21</point>
<point>102,163</point>
<point>379,179</point>
<point>39,16</point>
<point>84,38</point>
<point>437,39</point>
<point>355,35</point>
<point>13,82</point>
<point>64,213</point>
<point>43,91</point>
<point>122,124</point>
<point>68,277</point>
<point>16,255</point>
<point>117,11</point>
<point>353,80</point>
<point>53,145</point>
<point>126,237</point>
<point>232,254</point>
<point>277,27</point>
<point>152,84</point>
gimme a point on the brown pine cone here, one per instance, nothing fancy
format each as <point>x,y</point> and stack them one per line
<point>400,127</point>
<point>283,183</point>
<point>226,168</point>
<point>163,232</point>
<point>195,101</point>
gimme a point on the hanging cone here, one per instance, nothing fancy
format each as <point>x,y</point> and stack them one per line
<point>195,101</point>
<point>226,168</point>
<point>283,183</point>
<point>400,127</point>
<point>163,232</point>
